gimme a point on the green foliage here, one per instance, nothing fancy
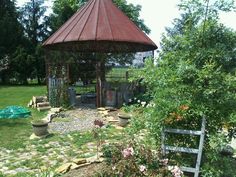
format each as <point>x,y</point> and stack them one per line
<point>82,138</point>
<point>216,165</point>
<point>194,77</point>
<point>21,64</point>
<point>196,73</point>
<point>35,25</point>
<point>133,12</point>
<point>34,21</point>
<point>22,30</point>
<point>9,25</point>
<point>62,11</point>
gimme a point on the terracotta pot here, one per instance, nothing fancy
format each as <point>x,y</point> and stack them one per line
<point>40,127</point>
<point>123,119</point>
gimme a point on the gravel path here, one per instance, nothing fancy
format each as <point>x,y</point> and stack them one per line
<point>79,119</point>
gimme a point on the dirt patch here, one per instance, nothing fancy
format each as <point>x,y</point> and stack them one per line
<point>87,171</point>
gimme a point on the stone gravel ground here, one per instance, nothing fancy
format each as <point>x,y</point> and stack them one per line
<point>69,139</point>
<point>80,119</point>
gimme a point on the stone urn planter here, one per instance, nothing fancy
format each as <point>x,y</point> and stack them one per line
<point>123,119</point>
<point>40,127</point>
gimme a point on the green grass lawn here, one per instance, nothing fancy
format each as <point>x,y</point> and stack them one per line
<point>85,89</point>
<point>117,74</point>
<point>14,131</point>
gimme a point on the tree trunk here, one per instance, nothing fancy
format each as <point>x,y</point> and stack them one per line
<point>4,78</point>
<point>25,81</point>
<point>103,70</point>
<point>39,80</point>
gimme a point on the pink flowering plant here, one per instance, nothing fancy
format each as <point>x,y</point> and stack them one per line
<point>176,172</point>
<point>134,160</point>
<point>128,152</point>
<point>97,133</point>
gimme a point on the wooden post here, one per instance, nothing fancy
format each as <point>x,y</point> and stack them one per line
<point>127,75</point>
<point>103,80</point>
<point>98,84</point>
<point>47,68</point>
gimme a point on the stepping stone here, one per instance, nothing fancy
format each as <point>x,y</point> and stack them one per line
<point>80,161</point>
<point>110,108</point>
<point>111,119</point>
<point>43,168</point>
<point>43,104</point>
<point>101,109</point>
<point>55,110</point>
<point>33,153</point>
<point>83,165</point>
<point>118,127</point>
<point>10,172</point>
<point>74,166</point>
<point>95,159</point>
<point>64,168</point>
<point>103,113</point>
<point>33,136</point>
<point>54,162</point>
<point>44,108</point>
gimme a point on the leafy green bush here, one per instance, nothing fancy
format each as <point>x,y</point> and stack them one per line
<point>194,77</point>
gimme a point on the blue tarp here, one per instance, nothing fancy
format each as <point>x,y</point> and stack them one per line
<point>12,112</point>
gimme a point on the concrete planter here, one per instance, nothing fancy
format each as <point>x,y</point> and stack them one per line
<point>40,127</point>
<point>123,119</point>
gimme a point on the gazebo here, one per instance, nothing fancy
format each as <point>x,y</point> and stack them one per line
<point>99,27</point>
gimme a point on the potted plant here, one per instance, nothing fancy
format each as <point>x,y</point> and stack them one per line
<point>123,119</point>
<point>40,127</point>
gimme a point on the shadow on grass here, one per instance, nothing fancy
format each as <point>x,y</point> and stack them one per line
<point>14,122</point>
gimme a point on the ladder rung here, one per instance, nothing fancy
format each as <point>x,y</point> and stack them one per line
<point>181,149</point>
<point>188,169</point>
<point>180,131</point>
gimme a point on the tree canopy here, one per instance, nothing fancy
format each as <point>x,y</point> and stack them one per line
<point>64,9</point>
<point>9,25</point>
<point>22,31</point>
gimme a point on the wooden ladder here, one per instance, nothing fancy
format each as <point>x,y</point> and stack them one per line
<point>198,151</point>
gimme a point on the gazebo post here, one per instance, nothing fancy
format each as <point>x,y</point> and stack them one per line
<point>103,79</point>
<point>47,68</point>
<point>98,82</point>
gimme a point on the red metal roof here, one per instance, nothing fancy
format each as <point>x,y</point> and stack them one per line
<point>99,26</point>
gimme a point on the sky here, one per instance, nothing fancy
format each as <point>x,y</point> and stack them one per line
<point>160,14</point>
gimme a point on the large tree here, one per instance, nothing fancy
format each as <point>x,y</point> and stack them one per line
<point>11,36</point>
<point>35,24</point>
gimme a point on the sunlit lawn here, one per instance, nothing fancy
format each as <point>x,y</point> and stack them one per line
<point>14,131</point>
